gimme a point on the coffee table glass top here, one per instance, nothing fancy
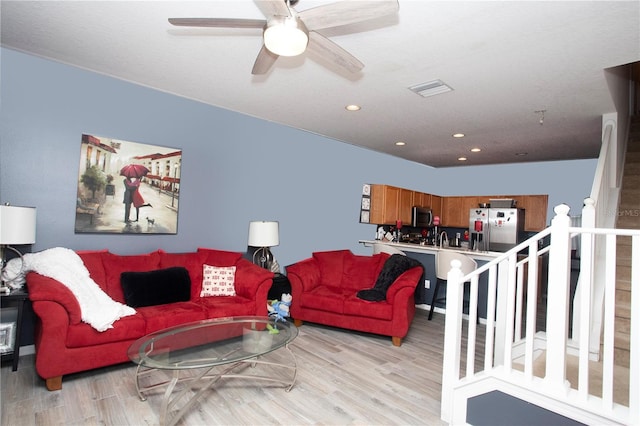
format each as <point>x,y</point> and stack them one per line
<point>211,342</point>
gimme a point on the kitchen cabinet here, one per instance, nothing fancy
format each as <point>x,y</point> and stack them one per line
<point>452,212</point>
<point>421,199</point>
<point>535,207</point>
<point>436,205</point>
<point>390,204</point>
<point>455,212</point>
<point>405,203</point>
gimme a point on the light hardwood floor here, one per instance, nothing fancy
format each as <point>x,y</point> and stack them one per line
<point>344,378</point>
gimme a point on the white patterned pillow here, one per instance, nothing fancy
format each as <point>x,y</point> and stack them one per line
<point>218,281</point>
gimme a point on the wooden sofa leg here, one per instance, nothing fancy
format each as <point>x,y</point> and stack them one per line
<point>54,383</point>
<point>397,341</point>
<point>297,322</point>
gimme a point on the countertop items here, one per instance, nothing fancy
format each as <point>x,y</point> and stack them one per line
<point>418,248</point>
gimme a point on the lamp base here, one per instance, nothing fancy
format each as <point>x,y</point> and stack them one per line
<point>263,257</point>
<point>5,287</point>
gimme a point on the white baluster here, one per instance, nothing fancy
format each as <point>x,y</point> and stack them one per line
<point>558,298</point>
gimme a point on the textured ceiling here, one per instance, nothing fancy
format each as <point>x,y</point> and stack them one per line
<point>504,61</point>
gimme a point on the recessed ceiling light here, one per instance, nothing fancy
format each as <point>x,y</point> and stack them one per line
<point>475,150</point>
<point>521,154</point>
<point>352,107</point>
<point>400,143</point>
<point>458,135</point>
<point>462,158</point>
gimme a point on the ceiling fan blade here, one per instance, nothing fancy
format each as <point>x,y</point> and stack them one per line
<point>346,12</point>
<point>264,61</point>
<point>327,49</point>
<point>270,8</point>
<point>218,22</point>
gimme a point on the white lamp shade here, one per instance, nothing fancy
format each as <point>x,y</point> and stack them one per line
<point>17,225</point>
<point>263,234</point>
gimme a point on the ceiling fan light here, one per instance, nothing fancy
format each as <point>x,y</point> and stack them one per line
<point>286,36</point>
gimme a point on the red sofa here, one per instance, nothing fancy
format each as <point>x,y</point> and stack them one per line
<point>325,290</point>
<point>64,344</point>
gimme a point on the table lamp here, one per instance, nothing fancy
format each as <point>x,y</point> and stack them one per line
<point>17,226</point>
<point>263,235</point>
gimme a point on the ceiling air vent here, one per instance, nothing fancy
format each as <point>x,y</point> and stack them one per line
<point>430,88</point>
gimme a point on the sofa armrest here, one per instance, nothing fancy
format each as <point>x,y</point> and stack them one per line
<point>304,276</point>
<point>45,289</point>
<point>252,281</point>
<point>408,279</point>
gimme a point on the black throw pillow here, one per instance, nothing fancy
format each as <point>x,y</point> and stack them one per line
<point>156,287</point>
<point>393,267</point>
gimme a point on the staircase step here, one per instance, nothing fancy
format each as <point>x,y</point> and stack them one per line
<point>620,375</point>
<point>629,194</point>
<point>633,154</point>
<point>621,358</point>
<point>629,200</point>
<point>623,303</point>
<point>623,277</point>
<point>632,168</point>
<point>627,219</point>
<point>631,181</point>
<point>622,330</point>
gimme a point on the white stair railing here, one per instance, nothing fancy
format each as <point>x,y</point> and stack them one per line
<point>504,343</point>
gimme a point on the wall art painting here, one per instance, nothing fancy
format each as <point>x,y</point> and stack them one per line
<point>127,187</point>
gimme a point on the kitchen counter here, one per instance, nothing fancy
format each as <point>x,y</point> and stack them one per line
<point>418,248</point>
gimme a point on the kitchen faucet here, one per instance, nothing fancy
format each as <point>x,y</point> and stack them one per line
<point>446,238</point>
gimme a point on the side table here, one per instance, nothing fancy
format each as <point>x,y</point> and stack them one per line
<point>280,285</point>
<point>11,325</point>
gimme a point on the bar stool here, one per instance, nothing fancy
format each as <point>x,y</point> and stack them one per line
<point>443,266</point>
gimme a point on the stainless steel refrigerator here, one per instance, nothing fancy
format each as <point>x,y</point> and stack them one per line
<point>496,229</point>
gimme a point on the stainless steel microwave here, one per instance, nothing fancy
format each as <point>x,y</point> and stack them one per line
<point>421,217</point>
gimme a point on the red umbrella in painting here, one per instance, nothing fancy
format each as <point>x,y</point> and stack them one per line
<point>134,171</point>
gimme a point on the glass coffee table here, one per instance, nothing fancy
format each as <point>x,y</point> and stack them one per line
<point>200,353</point>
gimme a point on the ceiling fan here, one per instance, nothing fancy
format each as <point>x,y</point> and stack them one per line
<point>287,32</point>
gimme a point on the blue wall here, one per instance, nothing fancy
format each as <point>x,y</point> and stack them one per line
<point>235,168</point>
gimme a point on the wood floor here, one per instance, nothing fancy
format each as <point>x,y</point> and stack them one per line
<point>344,378</point>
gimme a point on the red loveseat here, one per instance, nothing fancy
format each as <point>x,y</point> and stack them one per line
<point>325,290</point>
<point>64,344</point>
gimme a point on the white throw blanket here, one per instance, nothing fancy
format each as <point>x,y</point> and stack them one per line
<point>64,265</point>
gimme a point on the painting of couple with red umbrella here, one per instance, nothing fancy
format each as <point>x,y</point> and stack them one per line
<point>127,187</point>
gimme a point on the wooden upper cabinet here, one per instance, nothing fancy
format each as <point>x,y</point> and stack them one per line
<point>535,211</point>
<point>390,204</point>
<point>421,199</point>
<point>436,205</point>
<point>455,211</point>
<point>405,203</point>
<point>383,203</point>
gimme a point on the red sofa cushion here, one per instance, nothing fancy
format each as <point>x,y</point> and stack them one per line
<point>162,316</point>
<point>331,266</point>
<point>115,265</point>
<point>92,259</point>
<point>362,271</point>
<point>126,328</point>
<point>361,308</point>
<point>228,306</point>
<point>220,257</point>
<point>325,298</point>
